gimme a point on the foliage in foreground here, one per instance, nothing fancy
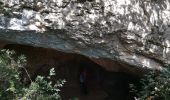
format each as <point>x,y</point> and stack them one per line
<point>154,84</point>
<point>11,88</point>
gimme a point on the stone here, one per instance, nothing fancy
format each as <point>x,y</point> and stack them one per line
<point>131,32</point>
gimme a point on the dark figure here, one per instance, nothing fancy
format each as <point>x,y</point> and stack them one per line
<point>83,81</point>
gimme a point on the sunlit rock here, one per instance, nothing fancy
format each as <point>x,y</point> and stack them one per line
<point>133,32</point>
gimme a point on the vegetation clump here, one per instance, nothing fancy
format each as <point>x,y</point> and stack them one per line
<point>154,85</point>
<point>11,87</point>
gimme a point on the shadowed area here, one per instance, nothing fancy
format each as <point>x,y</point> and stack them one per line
<point>100,84</point>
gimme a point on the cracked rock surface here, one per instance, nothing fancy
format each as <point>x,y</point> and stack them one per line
<point>134,32</point>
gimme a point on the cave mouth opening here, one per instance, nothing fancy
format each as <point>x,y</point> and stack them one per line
<point>100,84</point>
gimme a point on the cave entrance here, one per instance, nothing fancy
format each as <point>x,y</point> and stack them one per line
<point>100,82</point>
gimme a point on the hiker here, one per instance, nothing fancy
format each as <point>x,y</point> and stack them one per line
<point>83,81</point>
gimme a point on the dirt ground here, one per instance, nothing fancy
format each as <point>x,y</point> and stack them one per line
<point>71,91</point>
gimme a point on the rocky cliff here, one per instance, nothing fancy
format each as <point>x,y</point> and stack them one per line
<point>134,32</point>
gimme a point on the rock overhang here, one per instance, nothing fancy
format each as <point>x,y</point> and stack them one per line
<point>130,31</point>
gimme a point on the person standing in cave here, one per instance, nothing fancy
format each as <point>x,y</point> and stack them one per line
<point>83,80</point>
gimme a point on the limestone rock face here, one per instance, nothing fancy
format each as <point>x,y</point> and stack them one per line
<point>134,32</point>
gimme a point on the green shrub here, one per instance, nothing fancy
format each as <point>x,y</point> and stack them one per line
<point>10,85</point>
<point>11,88</point>
<point>42,89</point>
<point>154,84</point>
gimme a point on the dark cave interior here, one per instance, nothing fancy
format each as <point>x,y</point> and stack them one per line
<point>100,83</point>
